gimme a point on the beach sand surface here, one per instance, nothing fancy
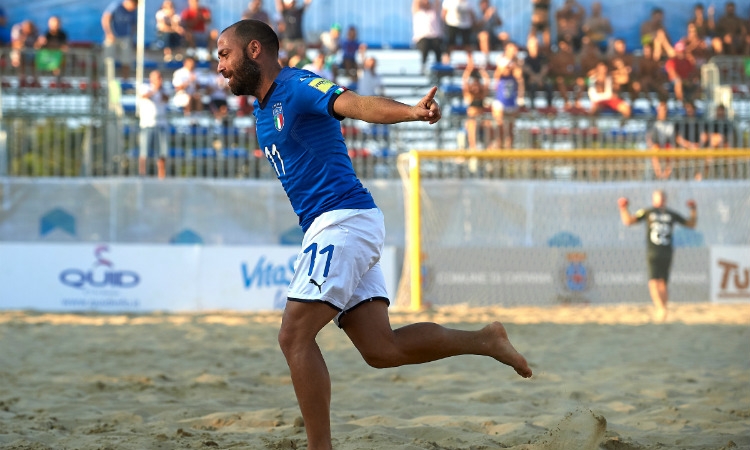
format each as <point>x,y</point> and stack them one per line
<point>605,377</point>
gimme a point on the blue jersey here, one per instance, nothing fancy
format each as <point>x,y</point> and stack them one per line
<point>122,22</point>
<point>301,137</point>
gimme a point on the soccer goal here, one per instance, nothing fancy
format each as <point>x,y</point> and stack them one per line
<point>533,227</point>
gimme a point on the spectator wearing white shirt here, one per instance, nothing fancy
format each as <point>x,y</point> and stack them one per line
<point>459,18</point>
<point>601,94</point>
<point>187,94</point>
<point>427,29</point>
<point>152,110</point>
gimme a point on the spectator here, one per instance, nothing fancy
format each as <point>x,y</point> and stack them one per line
<point>369,82</point>
<point>290,26</point>
<point>459,19</point>
<point>654,34</point>
<point>509,94</point>
<point>691,135</point>
<point>169,31</point>
<point>298,57</point>
<point>196,21</point>
<point>4,31</point>
<point>570,19</point>
<point>55,37</point>
<point>661,136</point>
<point>540,20</point>
<point>695,46</point>
<point>601,93</point>
<point>564,69</point>
<point>24,36</point>
<point>731,30</point>
<point>152,109</point>
<point>187,93</point>
<point>705,25</point>
<point>349,50</point>
<point>648,75</point>
<point>589,56</point>
<point>52,47</point>
<point>536,71</point>
<point>475,88</point>
<point>719,131</point>
<point>486,28</point>
<point>427,29</point>
<point>217,89</point>
<point>330,44</point>
<point>682,73</point>
<point>255,11</point>
<point>318,66</point>
<point>119,22</point>
<point>619,50</point>
<point>598,28</point>
<point>689,131</point>
<point>622,80</point>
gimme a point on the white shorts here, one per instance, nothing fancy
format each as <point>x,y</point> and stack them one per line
<point>339,263</point>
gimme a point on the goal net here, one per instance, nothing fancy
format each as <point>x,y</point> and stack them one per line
<point>543,227</point>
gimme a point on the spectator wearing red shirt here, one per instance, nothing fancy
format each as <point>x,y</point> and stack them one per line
<point>682,73</point>
<point>195,20</point>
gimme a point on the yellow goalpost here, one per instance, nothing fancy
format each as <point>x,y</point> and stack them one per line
<point>412,170</point>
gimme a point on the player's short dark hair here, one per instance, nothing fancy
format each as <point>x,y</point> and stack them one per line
<point>255,30</point>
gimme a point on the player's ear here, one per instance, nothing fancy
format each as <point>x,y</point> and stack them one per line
<point>253,49</point>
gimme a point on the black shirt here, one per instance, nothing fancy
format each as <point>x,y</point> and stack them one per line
<point>660,223</point>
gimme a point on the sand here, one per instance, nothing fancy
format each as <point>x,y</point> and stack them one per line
<point>604,377</point>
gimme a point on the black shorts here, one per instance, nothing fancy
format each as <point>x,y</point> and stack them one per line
<point>466,35</point>
<point>659,265</point>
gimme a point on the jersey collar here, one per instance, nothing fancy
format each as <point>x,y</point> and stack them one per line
<point>268,96</point>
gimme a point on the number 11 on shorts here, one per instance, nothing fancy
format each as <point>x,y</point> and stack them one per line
<point>313,250</point>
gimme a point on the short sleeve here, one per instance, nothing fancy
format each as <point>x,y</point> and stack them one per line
<point>640,214</point>
<point>314,94</point>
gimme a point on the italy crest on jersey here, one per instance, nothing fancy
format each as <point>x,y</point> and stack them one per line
<point>278,117</point>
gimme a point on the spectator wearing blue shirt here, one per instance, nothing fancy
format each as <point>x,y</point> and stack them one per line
<point>119,23</point>
<point>4,30</point>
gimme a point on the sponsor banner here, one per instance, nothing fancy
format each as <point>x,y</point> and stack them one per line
<point>730,274</point>
<point>132,278</point>
<point>536,276</point>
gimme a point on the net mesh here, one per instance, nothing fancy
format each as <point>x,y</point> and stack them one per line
<point>529,241</point>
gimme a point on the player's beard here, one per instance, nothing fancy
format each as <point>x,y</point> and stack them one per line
<point>246,79</point>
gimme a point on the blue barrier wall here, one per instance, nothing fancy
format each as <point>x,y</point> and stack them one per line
<point>386,22</point>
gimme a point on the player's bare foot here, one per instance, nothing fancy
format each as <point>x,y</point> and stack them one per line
<point>503,351</point>
<point>660,315</point>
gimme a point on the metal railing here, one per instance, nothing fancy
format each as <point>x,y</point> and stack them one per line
<point>108,145</point>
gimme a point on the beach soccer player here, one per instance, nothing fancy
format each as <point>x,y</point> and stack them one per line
<point>660,223</point>
<point>337,273</point>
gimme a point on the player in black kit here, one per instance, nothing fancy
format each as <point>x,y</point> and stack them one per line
<point>660,221</point>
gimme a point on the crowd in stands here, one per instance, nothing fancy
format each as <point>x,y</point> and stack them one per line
<point>584,60</point>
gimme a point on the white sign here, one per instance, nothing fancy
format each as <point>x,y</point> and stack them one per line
<point>125,277</point>
<point>730,274</point>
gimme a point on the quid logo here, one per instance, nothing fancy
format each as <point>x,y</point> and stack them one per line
<point>101,275</point>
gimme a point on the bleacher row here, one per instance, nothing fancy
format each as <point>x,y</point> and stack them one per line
<point>81,97</point>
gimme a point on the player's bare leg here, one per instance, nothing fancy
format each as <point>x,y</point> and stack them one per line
<point>300,325</point>
<point>369,329</point>
<point>658,290</point>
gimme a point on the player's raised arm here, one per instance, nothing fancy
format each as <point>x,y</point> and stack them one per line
<point>693,219</point>
<point>625,216</point>
<point>375,109</point>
